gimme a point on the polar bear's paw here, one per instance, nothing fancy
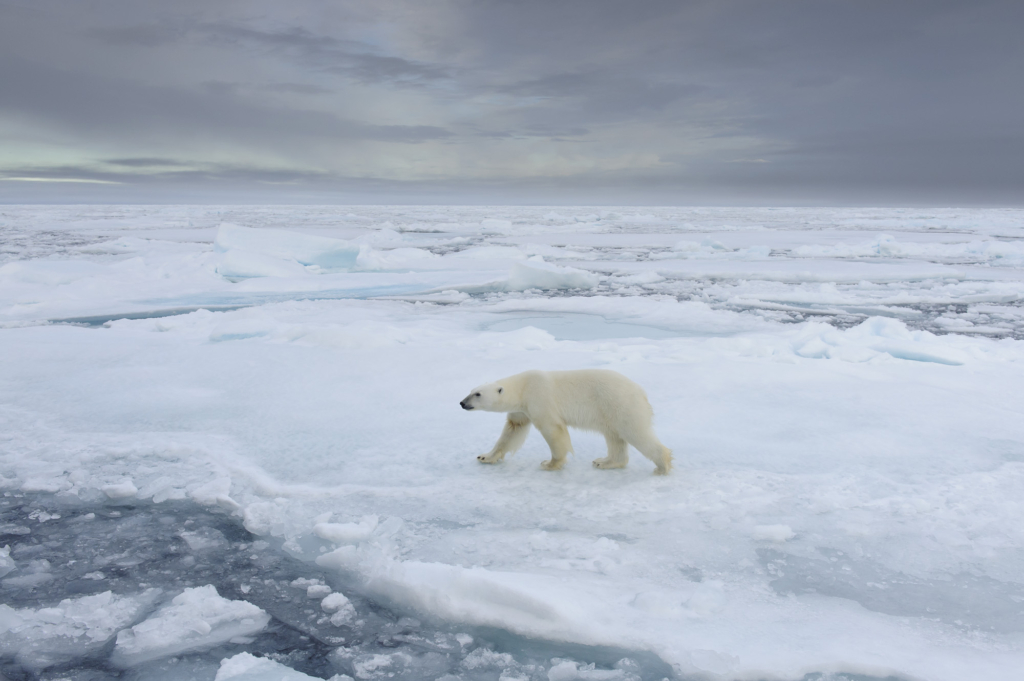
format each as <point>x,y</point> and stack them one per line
<point>490,458</point>
<point>608,462</point>
<point>552,465</point>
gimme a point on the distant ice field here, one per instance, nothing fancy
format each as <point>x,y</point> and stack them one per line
<point>843,390</point>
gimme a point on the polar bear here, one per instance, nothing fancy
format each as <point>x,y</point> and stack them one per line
<point>589,399</point>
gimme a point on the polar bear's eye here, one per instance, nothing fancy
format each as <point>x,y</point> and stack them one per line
<point>499,390</point>
<point>478,394</point>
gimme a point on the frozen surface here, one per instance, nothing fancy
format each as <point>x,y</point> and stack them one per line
<point>841,388</point>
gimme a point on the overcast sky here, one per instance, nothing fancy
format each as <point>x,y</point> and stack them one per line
<point>514,101</point>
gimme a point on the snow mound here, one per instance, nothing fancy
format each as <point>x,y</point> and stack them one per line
<point>246,667</point>
<point>875,336</point>
<point>535,273</point>
<point>341,608</point>
<point>198,618</point>
<point>243,243</point>
<point>75,627</point>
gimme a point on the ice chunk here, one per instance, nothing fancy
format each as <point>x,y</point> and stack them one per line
<point>31,575</point>
<point>6,562</point>
<point>246,667</point>
<point>372,665</point>
<point>198,618</point>
<point>302,248</point>
<point>535,273</point>
<point>125,489</point>
<point>341,608</point>
<point>563,671</point>
<point>43,637</point>
<point>347,533</point>
<point>317,591</point>
<point>204,538</point>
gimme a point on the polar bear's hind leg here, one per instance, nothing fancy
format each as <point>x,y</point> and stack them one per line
<point>649,445</point>
<point>513,435</point>
<point>618,456</point>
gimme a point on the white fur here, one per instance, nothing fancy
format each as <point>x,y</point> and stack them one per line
<point>589,399</point>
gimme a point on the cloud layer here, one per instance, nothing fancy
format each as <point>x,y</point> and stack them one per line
<point>528,102</point>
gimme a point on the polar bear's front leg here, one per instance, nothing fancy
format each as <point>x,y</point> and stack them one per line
<point>557,436</point>
<point>513,435</point>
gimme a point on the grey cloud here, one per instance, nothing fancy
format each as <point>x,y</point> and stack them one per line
<point>144,35</point>
<point>127,110</point>
<point>842,100</point>
<point>328,54</point>
<point>144,162</point>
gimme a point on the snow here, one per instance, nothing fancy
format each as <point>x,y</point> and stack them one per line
<point>197,618</point>
<point>841,388</point>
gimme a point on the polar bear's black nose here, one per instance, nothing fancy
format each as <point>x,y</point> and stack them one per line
<point>465,406</point>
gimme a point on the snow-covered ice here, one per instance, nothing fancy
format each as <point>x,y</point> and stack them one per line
<point>841,388</point>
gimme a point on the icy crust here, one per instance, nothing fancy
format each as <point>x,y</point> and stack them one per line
<point>38,638</point>
<point>197,618</point>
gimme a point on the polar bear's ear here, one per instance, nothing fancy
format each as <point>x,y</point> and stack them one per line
<point>499,390</point>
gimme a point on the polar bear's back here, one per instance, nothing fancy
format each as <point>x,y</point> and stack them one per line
<point>590,399</point>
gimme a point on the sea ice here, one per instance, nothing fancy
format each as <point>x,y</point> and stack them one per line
<point>76,627</point>
<point>841,388</point>
<point>197,618</point>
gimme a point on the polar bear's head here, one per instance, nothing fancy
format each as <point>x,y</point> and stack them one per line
<point>488,397</point>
